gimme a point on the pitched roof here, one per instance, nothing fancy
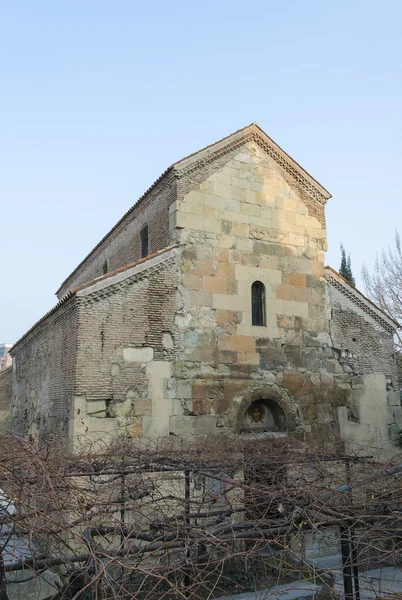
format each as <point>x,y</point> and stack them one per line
<point>253,132</point>
<point>208,154</point>
<point>105,280</point>
<point>351,292</point>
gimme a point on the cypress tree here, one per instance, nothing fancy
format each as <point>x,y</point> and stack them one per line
<point>346,266</point>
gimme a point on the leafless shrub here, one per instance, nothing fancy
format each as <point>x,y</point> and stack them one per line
<point>384,284</point>
<point>192,520</point>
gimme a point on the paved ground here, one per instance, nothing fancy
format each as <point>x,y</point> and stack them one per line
<point>375,583</point>
<point>372,583</point>
<point>290,591</point>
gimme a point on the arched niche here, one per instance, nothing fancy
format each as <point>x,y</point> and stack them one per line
<point>263,415</point>
<point>280,411</point>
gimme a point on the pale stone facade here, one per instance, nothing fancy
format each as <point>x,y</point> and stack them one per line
<point>167,346</point>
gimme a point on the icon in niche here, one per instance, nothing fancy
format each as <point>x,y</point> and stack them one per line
<point>256,413</point>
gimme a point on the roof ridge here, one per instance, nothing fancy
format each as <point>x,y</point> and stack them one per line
<point>73,293</point>
<point>250,132</point>
<point>134,263</point>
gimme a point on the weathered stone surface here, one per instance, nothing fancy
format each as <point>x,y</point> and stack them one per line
<point>169,350</point>
<point>138,354</point>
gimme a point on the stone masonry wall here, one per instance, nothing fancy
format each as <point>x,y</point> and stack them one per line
<point>367,354</point>
<point>361,339</point>
<point>122,245</point>
<point>248,222</point>
<point>43,376</point>
<point>126,347</point>
<point>6,380</point>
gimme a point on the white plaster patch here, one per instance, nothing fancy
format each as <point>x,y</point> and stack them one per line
<point>115,370</point>
<point>138,354</point>
<point>167,340</point>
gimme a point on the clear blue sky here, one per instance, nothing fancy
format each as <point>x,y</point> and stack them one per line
<point>99,97</point>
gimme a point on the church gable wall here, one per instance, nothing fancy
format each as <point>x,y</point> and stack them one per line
<point>361,339</point>
<point>249,222</point>
<point>123,244</point>
<point>127,343</point>
<point>43,376</point>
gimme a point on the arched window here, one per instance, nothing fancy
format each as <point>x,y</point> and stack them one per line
<point>144,241</point>
<point>258,304</point>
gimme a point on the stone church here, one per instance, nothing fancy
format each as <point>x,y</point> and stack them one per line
<point>207,310</point>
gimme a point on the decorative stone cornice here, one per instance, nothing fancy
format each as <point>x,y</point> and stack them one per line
<point>119,281</point>
<point>104,285</point>
<point>253,133</point>
<point>355,296</point>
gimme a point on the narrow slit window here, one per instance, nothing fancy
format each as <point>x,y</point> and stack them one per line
<point>258,304</point>
<point>144,241</point>
<point>104,268</point>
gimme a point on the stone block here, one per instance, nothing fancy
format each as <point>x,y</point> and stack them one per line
<point>298,309</point>
<point>215,285</point>
<point>333,366</point>
<point>159,369</point>
<point>202,406</point>
<point>242,343</point>
<point>181,425</point>
<point>167,340</point>
<point>96,408</point>
<point>142,407</point>
<point>138,354</point>
<point>121,409</point>
<point>134,430</point>
<point>169,388</point>
<point>205,425</point>
<point>240,229</point>
<point>231,389</point>
<point>209,211</point>
<point>201,298</point>
<point>183,389</point>
<point>394,399</point>
<point>308,412</point>
<point>226,270</point>
<point>252,358</point>
<point>297,279</point>
<point>269,262</point>
<point>293,381</point>
<point>250,273</point>
<point>251,209</point>
<point>324,413</point>
<point>203,268</point>
<point>177,407</point>
<point>198,390</point>
<point>317,268</point>
<point>115,370</point>
<point>397,413</point>
<point>193,282</point>
<point>230,302</point>
<point>220,254</point>
<point>226,241</point>
<point>226,226</point>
